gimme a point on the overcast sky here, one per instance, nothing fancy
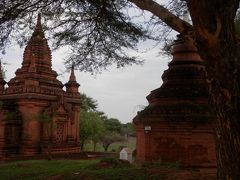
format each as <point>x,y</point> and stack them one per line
<point>120,93</point>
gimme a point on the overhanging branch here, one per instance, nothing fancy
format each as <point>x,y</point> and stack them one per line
<point>162,13</point>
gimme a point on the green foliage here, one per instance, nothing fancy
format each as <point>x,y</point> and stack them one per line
<point>113,125</point>
<point>96,127</point>
<point>70,169</point>
<point>40,169</point>
<point>110,138</point>
<point>91,127</point>
<point>107,168</point>
<point>128,129</point>
<point>98,32</point>
<point>116,146</point>
<point>102,115</point>
<point>88,103</point>
<point>113,129</point>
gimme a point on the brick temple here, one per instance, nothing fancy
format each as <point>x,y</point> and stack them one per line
<point>36,114</point>
<point>176,126</point>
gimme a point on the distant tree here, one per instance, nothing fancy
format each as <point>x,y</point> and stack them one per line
<point>102,115</point>
<point>88,103</point>
<point>91,128</point>
<point>99,130</point>
<point>112,134</point>
<point>91,122</point>
<point>113,125</point>
<point>128,129</point>
<point>109,139</point>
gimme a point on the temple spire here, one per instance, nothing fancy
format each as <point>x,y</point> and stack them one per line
<point>72,76</point>
<point>37,53</point>
<point>39,24</point>
<point>38,28</point>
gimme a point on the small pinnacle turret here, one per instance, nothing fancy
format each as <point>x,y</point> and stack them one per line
<point>72,85</point>
<point>72,76</point>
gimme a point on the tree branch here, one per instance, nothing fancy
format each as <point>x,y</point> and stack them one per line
<point>162,13</point>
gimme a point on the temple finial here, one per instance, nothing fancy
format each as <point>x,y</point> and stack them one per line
<point>38,28</point>
<point>39,24</point>
<point>72,76</point>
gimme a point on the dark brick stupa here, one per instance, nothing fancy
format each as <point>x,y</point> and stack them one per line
<point>176,126</point>
<point>36,113</point>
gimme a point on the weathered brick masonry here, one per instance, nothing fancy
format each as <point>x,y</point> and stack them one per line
<point>37,115</point>
<point>176,126</point>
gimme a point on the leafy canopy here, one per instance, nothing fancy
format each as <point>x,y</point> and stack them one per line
<point>91,127</point>
<point>88,103</point>
<point>97,32</point>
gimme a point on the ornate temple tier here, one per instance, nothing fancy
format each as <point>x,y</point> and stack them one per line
<point>176,126</point>
<point>37,115</point>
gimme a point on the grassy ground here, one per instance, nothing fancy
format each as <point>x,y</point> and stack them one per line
<point>63,169</point>
<point>99,169</point>
<point>107,169</point>
<point>40,169</point>
<point>130,143</point>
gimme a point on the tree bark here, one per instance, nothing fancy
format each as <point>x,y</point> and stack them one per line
<point>213,23</point>
<point>162,13</point>
<point>105,147</point>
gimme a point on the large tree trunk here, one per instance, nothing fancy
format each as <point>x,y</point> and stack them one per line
<point>217,42</point>
<point>215,37</point>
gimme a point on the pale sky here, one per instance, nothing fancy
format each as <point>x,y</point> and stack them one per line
<point>120,93</point>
